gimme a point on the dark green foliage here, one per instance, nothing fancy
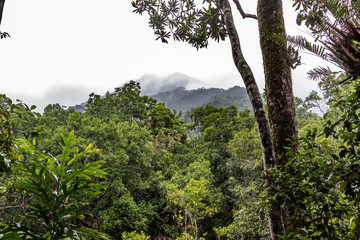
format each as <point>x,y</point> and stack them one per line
<point>245,183</point>
<point>161,119</point>
<point>127,203</point>
<point>210,116</point>
<point>125,104</point>
<point>218,128</point>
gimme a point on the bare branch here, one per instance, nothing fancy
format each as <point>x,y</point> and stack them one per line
<point>243,14</point>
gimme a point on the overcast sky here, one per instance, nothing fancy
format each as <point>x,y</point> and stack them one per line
<point>62,50</point>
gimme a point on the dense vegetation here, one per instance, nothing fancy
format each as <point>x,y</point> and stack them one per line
<point>157,179</point>
<point>130,170</point>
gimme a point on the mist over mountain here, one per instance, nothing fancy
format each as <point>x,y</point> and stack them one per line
<point>183,93</point>
<point>152,84</point>
<point>185,100</point>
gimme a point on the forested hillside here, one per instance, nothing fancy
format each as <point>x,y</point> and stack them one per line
<point>184,100</point>
<point>180,99</point>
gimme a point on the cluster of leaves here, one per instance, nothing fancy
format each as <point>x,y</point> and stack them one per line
<point>192,197</point>
<point>316,14</point>
<point>125,103</point>
<point>167,121</point>
<point>184,20</point>
<point>55,192</point>
<point>230,142</point>
<point>9,111</point>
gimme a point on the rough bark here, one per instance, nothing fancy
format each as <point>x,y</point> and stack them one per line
<point>279,93</point>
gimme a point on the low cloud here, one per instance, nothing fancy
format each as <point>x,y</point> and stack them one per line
<point>152,84</point>
<point>66,94</point>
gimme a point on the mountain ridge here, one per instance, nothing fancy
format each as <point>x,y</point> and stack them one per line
<point>184,100</point>
<point>184,93</point>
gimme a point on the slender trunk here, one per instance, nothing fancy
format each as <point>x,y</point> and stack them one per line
<point>2,3</point>
<point>257,105</point>
<point>279,93</point>
<point>251,87</point>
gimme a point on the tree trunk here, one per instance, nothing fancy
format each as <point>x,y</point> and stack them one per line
<point>279,93</point>
<point>276,226</point>
<point>1,9</point>
<point>251,87</point>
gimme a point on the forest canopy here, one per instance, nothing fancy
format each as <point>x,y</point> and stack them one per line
<point>130,177</point>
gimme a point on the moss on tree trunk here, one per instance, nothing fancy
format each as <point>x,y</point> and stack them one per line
<point>279,93</point>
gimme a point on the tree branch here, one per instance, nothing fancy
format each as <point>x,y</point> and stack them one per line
<point>7,207</point>
<point>243,14</point>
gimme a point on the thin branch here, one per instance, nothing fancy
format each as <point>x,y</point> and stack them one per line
<point>243,14</point>
<point>7,207</point>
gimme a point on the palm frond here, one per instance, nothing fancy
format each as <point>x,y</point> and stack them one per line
<point>337,29</point>
<point>341,42</point>
<point>339,9</point>
<point>303,44</point>
<point>318,73</point>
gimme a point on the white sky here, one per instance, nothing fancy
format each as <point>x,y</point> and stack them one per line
<point>62,50</point>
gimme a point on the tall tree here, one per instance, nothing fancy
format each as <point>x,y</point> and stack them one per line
<point>279,93</point>
<point>214,19</point>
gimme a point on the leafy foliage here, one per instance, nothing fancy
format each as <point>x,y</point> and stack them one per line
<point>125,104</point>
<point>9,111</point>
<point>191,197</point>
<point>135,236</point>
<point>56,192</point>
<point>184,20</point>
<point>247,222</point>
<point>169,123</point>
